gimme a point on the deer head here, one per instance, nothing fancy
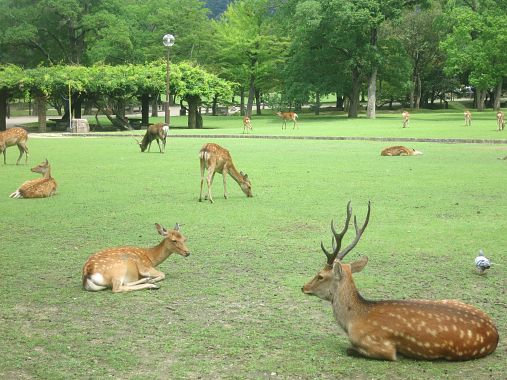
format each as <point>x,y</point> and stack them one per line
<point>320,285</point>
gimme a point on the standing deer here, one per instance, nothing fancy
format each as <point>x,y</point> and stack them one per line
<point>247,124</point>
<point>419,329</point>
<point>399,151</point>
<point>218,160</point>
<point>406,118</point>
<point>40,187</point>
<point>468,118</point>
<point>14,136</point>
<point>125,269</point>
<point>500,121</point>
<point>288,116</point>
<point>154,132</point>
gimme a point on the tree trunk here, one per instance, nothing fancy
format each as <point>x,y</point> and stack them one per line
<point>317,103</point>
<point>251,95</point>
<point>339,103</point>
<point>145,109</point>
<point>258,102</point>
<point>418,92</point>
<point>194,117</point>
<point>154,106</point>
<point>354,95</point>
<point>498,95</point>
<point>242,101</point>
<point>372,95</point>
<point>4,98</point>
<point>481,98</point>
<point>78,102</point>
<point>214,106</point>
<point>40,101</point>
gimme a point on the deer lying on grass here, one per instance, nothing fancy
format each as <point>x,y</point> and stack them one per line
<point>125,269</point>
<point>288,116</point>
<point>468,118</point>
<point>406,118</point>
<point>40,187</point>
<point>218,160</point>
<point>500,121</point>
<point>247,124</point>
<point>14,136</point>
<point>154,132</point>
<point>419,329</point>
<point>399,151</point>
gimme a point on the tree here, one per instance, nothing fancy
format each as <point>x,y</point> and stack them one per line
<point>12,79</point>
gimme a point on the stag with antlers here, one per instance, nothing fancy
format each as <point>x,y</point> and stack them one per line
<point>419,329</point>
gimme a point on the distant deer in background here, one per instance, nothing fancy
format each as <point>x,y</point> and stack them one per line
<point>288,116</point>
<point>247,124</point>
<point>154,132</point>
<point>125,269</point>
<point>500,121</point>
<point>468,118</point>
<point>419,329</point>
<point>218,160</point>
<point>406,118</point>
<point>399,151</point>
<point>14,136</point>
<point>40,187</point>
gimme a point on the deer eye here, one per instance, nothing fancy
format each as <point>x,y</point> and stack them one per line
<point>319,277</point>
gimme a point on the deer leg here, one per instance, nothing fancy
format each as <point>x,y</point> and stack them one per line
<point>202,180</point>
<point>224,175</point>
<point>151,275</point>
<point>118,287</point>
<point>159,147</point>
<point>211,176</point>
<point>4,155</point>
<point>163,143</point>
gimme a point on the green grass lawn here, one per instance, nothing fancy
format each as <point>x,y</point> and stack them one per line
<point>234,307</point>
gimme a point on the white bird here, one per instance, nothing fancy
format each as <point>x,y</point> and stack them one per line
<point>482,262</point>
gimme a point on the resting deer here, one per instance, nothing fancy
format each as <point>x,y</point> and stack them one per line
<point>154,132</point>
<point>218,160</point>
<point>406,118</point>
<point>14,136</point>
<point>399,151</point>
<point>125,269</point>
<point>468,118</point>
<point>247,124</point>
<point>288,116</point>
<point>500,121</point>
<point>40,187</point>
<point>419,329</point>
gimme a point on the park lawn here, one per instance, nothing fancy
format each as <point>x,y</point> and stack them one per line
<point>437,125</point>
<point>234,308</point>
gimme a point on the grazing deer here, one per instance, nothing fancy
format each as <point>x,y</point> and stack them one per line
<point>14,136</point>
<point>154,132</point>
<point>218,160</point>
<point>125,269</point>
<point>406,118</point>
<point>419,329</point>
<point>468,118</point>
<point>399,151</point>
<point>500,120</point>
<point>40,187</point>
<point>288,116</point>
<point>247,124</point>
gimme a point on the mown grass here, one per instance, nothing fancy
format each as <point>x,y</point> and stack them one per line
<point>233,308</point>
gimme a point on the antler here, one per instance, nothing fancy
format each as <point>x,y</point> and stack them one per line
<point>336,254</point>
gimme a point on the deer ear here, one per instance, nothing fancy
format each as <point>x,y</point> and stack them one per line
<point>358,265</point>
<point>338,270</point>
<point>161,229</point>
<point>177,227</point>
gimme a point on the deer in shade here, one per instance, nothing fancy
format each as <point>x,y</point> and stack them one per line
<point>399,151</point>
<point>418,329</point>
<point>125,269</point>
<point>154,132</point>
<point>247,124</point>
<point>405,115</point>
<point>40,187</point>
<point>500,120</point>
<point>288,116</point>
<point>216,159</point>
<point>11,137</point>
<point>468,118</point>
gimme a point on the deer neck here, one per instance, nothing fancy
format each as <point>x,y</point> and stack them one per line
<point>235,174</point>
<point>158,254</point>
<point>47,173</point>
<point>347,303</point>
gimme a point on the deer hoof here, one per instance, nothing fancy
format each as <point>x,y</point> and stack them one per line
<point>154,286</point>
